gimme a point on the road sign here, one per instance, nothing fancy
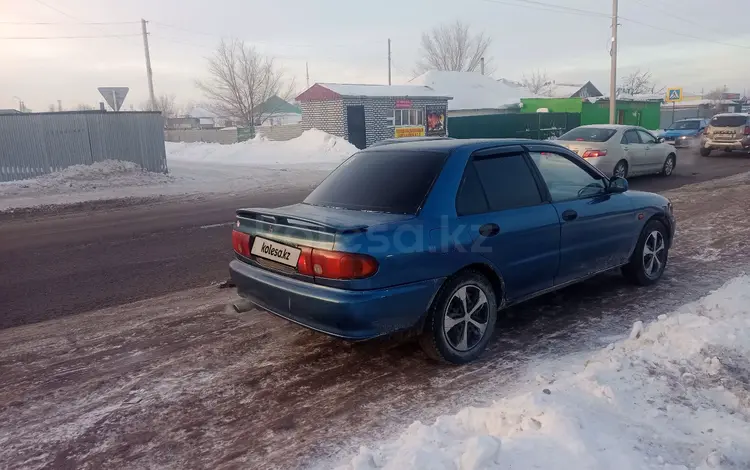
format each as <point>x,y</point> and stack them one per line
<point>674,95</point>
<point>114,95</point>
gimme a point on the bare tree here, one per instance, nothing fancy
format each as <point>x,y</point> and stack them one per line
<point>715,94</point>
<point>539,83</point>
<point>85,107</point>
<point>639,83</point>
<point>165,103</point>
<point>453,47</point>
<point>240,80</point>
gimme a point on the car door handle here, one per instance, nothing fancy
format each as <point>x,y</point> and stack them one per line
<point>489,230</point>
<point>569,215</point>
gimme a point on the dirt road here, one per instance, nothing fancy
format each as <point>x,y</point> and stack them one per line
<point>181,382</point>
<point>70,261</point>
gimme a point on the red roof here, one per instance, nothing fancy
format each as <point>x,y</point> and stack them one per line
<point>318,92</point>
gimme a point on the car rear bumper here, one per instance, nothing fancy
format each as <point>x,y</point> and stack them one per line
<point>348,314</point>
<point>740,144</point>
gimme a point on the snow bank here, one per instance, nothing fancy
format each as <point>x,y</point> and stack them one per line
<point>472,90</point>
<point>313,146</point>
<point>108,173</point>
<point>674,395</point>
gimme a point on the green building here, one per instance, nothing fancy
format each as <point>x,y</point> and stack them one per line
<point>644,113</point>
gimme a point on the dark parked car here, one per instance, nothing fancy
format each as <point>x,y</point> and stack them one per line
<point>438,236</point>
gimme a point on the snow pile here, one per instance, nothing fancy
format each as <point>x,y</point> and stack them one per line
<point>472,90</point>
<point>313,146</point>
<point>674,395</point>
<point>107,173</point>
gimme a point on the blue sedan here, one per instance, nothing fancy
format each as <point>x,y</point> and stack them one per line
<point>684,133</point>
<point>437,236</point>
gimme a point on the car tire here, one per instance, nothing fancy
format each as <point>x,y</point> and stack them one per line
<point>705,152</point>
<point>460,341</point>
<point>645,268</point>
<point>669,165</point>
<point>621,168</point>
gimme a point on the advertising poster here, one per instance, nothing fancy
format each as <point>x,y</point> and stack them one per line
<point>435,122</point>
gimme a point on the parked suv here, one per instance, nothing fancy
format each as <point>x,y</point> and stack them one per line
<point>727,132</point>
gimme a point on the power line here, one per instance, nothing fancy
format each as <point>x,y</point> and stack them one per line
<point>69,23</point>
<point>538,5</point>
<point>57,10</point>
<point>70,37</point>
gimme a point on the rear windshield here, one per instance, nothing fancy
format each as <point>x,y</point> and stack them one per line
<point>728,121</point>
<point>380,180</point>
<point>589,134</point>
<point>679,125</point>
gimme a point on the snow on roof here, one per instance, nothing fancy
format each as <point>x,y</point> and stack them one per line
<point>375,91</point>
<point>199,112</point>
<point>472,90</point>
<point>565,90</point>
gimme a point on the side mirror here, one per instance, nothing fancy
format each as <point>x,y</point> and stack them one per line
<point>660,140</point>
<point>617,185</point>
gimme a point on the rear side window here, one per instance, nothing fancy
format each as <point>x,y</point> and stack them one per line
<point>507,182</point>
<point>728,121</point>
<point>380,180</point>
<point>589,134</point>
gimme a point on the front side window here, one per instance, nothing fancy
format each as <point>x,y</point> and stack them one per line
<point>408,117</point>
<point>565,179</point>
<point>507,182</point>
<point>646,137</point>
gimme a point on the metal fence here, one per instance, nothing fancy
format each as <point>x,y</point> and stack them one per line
<point>526,126</point>
<point>35,144</point>
<point>669,115</point>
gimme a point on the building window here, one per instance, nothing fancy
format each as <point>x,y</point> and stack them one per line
<point>407,117</point>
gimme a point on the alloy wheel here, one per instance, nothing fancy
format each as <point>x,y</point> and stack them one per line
<point>466,317</point>
<point>654,254</point>
<point>620,170</point>
<point>669,166</point>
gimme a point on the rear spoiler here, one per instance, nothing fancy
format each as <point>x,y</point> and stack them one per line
<point>270,216</point>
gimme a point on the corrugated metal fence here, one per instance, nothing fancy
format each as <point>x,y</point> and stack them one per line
<point>526,126</point>
<point>35,144</point>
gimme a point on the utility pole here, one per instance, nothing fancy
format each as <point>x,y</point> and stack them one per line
<point>59,105</point>
<point>481,62</point>
<point>613,66</point>
<point>389,61</point>
<point>307,75</point>
<point>149,73</point>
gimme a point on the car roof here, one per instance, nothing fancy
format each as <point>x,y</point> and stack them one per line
<point>608,126</point>
<point>691,119</point>
<point>448,145</point>
<point>733,114</point>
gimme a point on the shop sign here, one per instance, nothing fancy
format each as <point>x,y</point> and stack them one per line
<point>412,131</point>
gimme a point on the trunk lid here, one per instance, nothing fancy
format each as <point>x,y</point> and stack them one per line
<point>304,225</point>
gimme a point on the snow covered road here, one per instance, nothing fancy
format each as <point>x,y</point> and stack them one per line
<point>180,381</point>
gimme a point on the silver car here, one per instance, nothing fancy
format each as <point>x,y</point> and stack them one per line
<point>620,150</point>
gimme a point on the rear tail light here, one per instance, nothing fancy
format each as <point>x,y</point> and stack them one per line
<point>335,264</point>
<point>747,130</point>
<point>241,243</point>
<point>594,153</point>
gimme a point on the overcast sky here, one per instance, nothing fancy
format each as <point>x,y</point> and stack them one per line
<point>345,41</point>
